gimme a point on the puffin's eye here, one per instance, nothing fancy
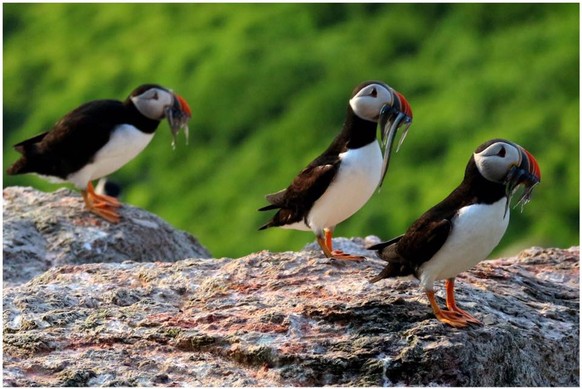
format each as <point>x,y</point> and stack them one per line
<point>374,92</point>
<point>501,152</point>
<point>155,96</point>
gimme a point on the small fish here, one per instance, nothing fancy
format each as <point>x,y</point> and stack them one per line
<point>178,115</point>
<point>518,176</point>
<point>391,119</point>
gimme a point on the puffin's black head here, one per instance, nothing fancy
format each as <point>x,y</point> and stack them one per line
<point>377,102</point>
<point>156,103</point>
<point>504,162</point>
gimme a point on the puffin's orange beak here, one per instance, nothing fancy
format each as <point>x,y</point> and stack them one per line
<point>184,107</point>
<point>532,165</point>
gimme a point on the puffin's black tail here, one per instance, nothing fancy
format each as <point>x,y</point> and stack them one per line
<point>380,246</point>
<point>265,226</point>
<point>22,166</point>
<point>396,267</point>
<point>275,220</point>
<point>393,270</point>
<point>269,207</point>
<point>270,223</point>
<point>283,216</point>
<point>28,162</point>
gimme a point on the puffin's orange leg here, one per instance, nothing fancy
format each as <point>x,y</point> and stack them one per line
<point>336,254</point>
<point>97,198</point>
<point>448,317</point>
<point>323,245</point>
<point>328,239</point>
<point>452,305</point>
<point>101,205</point>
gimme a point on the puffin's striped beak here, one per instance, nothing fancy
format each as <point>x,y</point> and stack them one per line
<point>529,164</point>
<point>178,115</point>
<point>527,173</point>
<point>392,117</point>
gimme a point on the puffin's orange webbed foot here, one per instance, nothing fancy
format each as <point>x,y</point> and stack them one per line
<point>326,245</point>
<point>106,211</point>
<point>452,305</point>
<point>340,255</point>
<point>101,205</point>
<point>105,199</point>
<point>453,318</point>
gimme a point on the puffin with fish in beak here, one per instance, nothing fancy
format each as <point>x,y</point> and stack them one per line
<point>463,229</point>
<point>99,137</point>
<point>343,178</point>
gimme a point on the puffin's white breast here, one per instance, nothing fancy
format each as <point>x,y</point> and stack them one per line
<point>476,231</point>
<point>356,180</point>
<point>125,143</point>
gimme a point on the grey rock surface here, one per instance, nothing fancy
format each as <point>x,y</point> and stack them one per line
<point>291,319</point>
<point>43,230</point>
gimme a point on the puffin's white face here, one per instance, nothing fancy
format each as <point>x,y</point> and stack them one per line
<point>153,102</point>
<point>496,160</point>
<point>368,101</point>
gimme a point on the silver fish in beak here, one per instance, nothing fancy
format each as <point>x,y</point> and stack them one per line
<point>392,117</point>
<point>178,115</point>
<point>526,173</point>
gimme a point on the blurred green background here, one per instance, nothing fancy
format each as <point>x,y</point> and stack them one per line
<point>268,85</point>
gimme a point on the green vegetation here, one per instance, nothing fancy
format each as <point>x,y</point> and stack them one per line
<point>269,83</point>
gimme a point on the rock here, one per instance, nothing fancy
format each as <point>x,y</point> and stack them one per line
<point>43,230</point>
<point>291,319</point>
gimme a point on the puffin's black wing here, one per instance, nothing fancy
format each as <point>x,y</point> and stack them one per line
<point>72,141</point>
<point>406,253</point>
<point>422,240</point>
<point>296,200</point>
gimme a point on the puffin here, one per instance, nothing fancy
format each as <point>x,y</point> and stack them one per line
<point>342,179</point>
<point>463,229</point>
<point>99,137</point>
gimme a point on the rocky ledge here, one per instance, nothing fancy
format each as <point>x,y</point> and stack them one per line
<point>273,319</point>
<point>44,230</point>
